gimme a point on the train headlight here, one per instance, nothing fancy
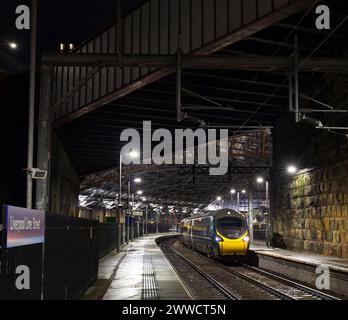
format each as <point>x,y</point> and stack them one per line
<point>218,239</point>
<point>246,239</point>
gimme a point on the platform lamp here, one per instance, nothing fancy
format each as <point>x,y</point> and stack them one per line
<point>291,169</point>
<point>233,192</point>
<point>11,45</point>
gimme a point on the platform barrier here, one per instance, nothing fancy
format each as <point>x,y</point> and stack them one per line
<point>71,254</point>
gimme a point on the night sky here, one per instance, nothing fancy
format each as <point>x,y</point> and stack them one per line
<point>69,21</point>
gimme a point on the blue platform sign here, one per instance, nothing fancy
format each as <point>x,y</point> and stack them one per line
<point>24,227</point>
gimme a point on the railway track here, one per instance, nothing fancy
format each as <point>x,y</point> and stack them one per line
<point>276,286</point>
<point>299,291</point>
<point>212,288</point>
<point>280,287</point>
<point>273,286</point>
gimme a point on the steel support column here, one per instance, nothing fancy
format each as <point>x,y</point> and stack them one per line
<point>296,80</point>
<point>179,88</point>
<point>30,155</point>
<point>44,140</point>
<point>200,62</point>
<point>251,216</point>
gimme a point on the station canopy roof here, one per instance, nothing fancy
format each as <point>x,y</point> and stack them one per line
<point>255,93</point>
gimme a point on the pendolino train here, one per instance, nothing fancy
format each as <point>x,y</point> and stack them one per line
<point>219,234</point>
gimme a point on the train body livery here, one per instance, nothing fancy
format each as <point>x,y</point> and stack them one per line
<point>219,234</point>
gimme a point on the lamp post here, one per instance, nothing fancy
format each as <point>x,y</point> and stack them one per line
<point>243,192</point>
<point>120,182</point>
<point>136,181</point>
<point>129,216</point>
<point>219,199</point>
<point>251,216</point>
<point>261,180</point>
<point>233,191</point>
<point>157,223</point>
<point>31,116</point>
<point>131,199</point>
<point>146,220</point>
<point>133,154</point>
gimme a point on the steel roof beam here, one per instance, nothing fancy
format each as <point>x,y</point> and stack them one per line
<point>243,19</point>
<point>198,62</point>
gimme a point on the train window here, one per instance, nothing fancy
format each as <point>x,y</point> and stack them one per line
<point>200,227</point>
<point>231,227</point>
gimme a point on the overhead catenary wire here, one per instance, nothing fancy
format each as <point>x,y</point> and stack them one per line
<point>276,51</point>
<point>298,68</point>
<point>338,133</point>
<point>280,45</point>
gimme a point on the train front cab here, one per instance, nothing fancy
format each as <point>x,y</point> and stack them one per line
<point>232,236</point>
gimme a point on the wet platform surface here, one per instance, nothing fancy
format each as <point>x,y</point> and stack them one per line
<point>312,259</point>
<point>139,272</point>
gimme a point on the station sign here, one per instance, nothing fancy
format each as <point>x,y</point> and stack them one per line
<point>23,227</point>
<point>138,213</point>
<point>135,213</point>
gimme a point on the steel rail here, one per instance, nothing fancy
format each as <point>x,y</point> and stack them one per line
<point>311,291</point>
<point>270,290</point>
<point>220,287</point>
<point>264,287</point>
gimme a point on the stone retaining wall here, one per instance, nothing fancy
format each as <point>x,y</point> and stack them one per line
<point>311,211</point>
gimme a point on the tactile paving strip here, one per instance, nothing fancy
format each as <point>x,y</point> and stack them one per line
<point>150,288</point>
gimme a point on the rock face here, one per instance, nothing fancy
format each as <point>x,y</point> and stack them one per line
<point>310,211</point>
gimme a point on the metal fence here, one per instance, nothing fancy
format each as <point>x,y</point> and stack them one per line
<point>12,258</point>
<point>72,250</point>
<point>71,257</point>
<point>109,238</point>
<point>30,256</point>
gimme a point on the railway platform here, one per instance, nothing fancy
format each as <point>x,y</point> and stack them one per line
<point>139,272</point>
<point>302,266</point>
